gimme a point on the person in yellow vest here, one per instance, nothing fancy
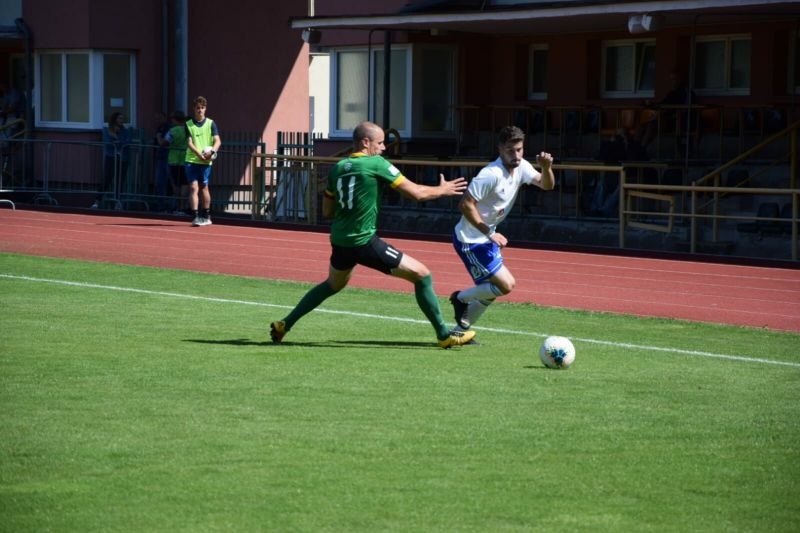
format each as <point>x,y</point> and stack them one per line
<point>202,144</point>
<point>175,140</point>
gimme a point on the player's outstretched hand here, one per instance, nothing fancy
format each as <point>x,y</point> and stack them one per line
<point>452,188</point>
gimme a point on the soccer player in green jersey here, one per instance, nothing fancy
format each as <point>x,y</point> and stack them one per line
<point>352,199</point>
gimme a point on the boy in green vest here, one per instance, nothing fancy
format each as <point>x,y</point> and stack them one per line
<point>176,159</point>
<point>202,143</point>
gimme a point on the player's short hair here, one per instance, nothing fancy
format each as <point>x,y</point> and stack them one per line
<point>201,100</point>
<point>365,130</point>
<point>510,133</point>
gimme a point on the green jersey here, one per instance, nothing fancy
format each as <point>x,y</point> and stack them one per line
<point>356,184</point>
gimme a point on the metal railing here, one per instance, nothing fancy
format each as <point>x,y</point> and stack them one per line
<point>707,194</point>
<point>123,178</point>
<point>295,183</point>
<point>249,182</point>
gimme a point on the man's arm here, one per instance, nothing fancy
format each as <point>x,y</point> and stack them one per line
<point>328,206</point>
<point>469,208</point>
<point>161,139</point>
<point>190,144</point>
<point>547,180</point>
<point>422,193</point>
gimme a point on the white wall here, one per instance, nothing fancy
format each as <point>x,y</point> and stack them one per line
<point>319,90</point>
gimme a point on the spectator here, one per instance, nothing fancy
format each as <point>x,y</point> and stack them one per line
<point>678,95</point>
<point>161,181</point>
<point>615,151</point>
<point>176,160</point>
<point>11,111</point>
<point>116,155</point>
<point>203,142</point>
<point>13,103</point>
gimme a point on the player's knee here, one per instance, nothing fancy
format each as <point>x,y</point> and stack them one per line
<point>506,288</point>
<point>423,271</point>
<point>506,285</point>
<point>414,270</point>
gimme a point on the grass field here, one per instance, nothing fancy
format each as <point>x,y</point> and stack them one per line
<point>139,399</point>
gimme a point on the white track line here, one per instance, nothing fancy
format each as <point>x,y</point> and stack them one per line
<point>398,319</point>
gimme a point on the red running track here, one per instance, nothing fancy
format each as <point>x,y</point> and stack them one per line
<point>699,291</point>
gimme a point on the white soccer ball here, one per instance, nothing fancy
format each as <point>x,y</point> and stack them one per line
<point>557,352</point>
<point>208,150</point>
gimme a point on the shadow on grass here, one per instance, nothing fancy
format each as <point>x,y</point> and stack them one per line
<point>538,367</point>
<point>329,344</point>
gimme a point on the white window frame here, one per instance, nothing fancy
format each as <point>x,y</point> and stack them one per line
<point>334,92</point>
<point>726,90</point>
<point>96,89</point>
<point>532,95</point>
<point>645,93</point>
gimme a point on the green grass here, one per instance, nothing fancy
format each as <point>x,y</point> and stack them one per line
<point>168,409</point>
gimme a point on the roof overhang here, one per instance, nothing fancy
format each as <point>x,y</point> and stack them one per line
<point>555,17</point>
<point>10,32</point>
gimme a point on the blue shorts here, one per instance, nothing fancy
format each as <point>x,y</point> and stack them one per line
<point>199,173</point>
<point>482,259</point>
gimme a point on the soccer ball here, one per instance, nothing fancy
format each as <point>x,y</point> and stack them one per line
<point>209,150</point>
<point>557,352</point>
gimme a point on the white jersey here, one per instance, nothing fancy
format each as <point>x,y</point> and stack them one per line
<point>495,190</point>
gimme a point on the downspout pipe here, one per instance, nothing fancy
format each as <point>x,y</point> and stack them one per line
<point>27,36</point>
<point>165,57</point>
<point>182,55</point>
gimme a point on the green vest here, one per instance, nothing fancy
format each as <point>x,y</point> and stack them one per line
<point>177,148</point>
<point>202,138</point>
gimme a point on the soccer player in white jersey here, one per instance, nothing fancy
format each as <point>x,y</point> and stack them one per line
<point>486,204</point>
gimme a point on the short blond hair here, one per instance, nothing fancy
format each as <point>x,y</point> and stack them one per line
<point>365,130</point>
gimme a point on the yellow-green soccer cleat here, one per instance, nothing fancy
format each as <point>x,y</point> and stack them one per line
<point>457,338</point>
<point>277,330</point>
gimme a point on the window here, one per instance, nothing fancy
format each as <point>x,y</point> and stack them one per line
<point>722,65</point>
<point>81,89</point>
<point>628,69</point>
<point>357,89</point>
<point>434,68</point>
<point>351,89</point>
<point>399,90</point>
<point>537,72</point>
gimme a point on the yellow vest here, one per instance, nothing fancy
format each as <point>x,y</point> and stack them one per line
<point>202,138</point>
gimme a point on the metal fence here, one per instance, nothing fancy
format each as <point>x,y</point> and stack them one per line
<point>63,171</point>
<point>661,207</point>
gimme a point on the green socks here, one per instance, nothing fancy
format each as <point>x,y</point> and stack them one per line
<point>427,301</point>
<point>423,290</point>
<point>310,301</point>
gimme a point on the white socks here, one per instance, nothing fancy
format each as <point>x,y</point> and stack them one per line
<point>484,291</point>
